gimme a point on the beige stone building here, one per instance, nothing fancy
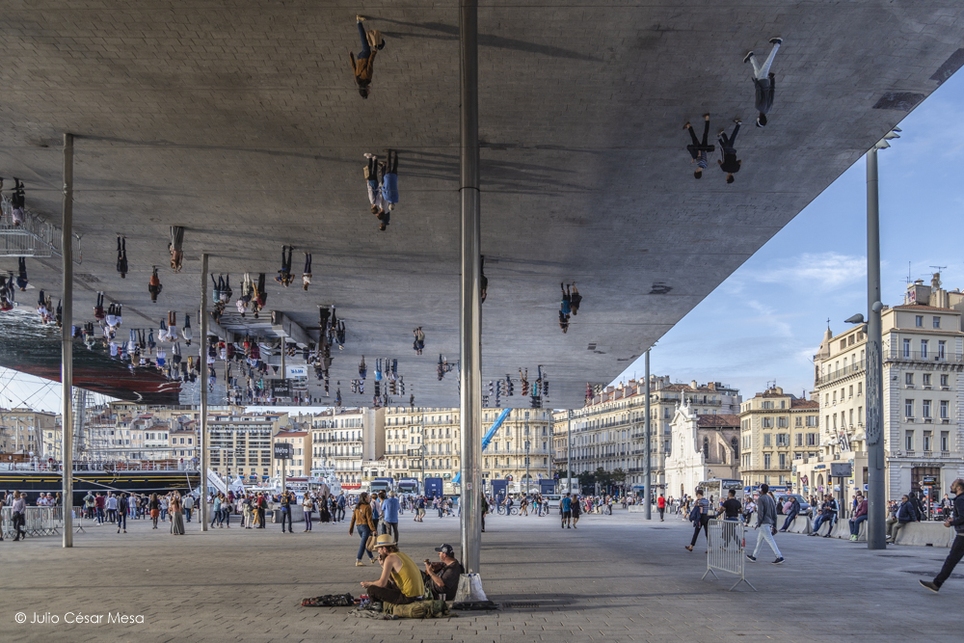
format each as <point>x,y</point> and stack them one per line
<point>428,440</point>
<point>777,432</point>
<point>241,443</point>
<point>299,466</point>
<point>342,440</point>
<point>923,396</point>
<point>608,432</point>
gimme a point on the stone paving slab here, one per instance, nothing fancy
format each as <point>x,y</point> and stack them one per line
<point>616,578</point>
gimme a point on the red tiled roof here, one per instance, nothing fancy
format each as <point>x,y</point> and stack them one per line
<point>722,419</point>
<point>804,404</point>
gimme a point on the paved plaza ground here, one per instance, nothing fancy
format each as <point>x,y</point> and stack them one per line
<point>616,578</point>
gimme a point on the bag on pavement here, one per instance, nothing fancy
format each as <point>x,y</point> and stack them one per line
<point>419,609</point>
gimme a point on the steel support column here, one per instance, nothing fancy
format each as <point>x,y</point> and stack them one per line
<point>470,320</point>
<point>569,450</point>
<point>66,336</point>
<point>876,478</point>
<point>203,446</point>
<point>648,445</point>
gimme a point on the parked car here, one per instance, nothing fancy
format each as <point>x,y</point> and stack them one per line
<point>805,508</point>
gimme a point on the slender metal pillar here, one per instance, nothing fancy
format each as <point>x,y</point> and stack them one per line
<point>569,451</point>
<point>527,454</point>
<point>203,446</point>
<point>647,446</point>
<point>66,336</point>
<point>471,304</point>
<point>876,495</point>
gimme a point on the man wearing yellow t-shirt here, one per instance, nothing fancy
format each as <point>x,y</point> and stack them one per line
<point>401,580</point>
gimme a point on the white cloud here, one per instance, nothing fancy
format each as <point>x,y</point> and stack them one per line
<point>823,271</point>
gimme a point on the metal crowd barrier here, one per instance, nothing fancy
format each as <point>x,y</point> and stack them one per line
<point>38,521</point>
<point>725,550</point>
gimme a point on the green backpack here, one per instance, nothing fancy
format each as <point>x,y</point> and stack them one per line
<point>418,609</point>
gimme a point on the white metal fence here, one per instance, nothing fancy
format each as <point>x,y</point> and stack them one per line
<point>726,540</point>
<point>38,521</point>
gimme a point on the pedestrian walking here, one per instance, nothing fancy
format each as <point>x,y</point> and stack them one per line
<point>957,547</point>
<point>284,275</point>
<point>22,279</point>
<point>700,517</point>
<point>362,518</point>
<point>390,179</point>
<point>699,149</point>
<point>18,202</point>
<point>154,285</point>
<point>380,207</point>
<point>123,506</point>
<point>763,81</point>
<point>766,524</point>
<point>19,509</point>
<point>389,513</point>
<point>122,256</point>
<point>363,68</point>
<point>575,299</point>
<point>306,273</point>
<point>419,344</point>
<point>661,506</point>
<point>730,164</point>
<point>565,506</point>
<point>175,247</point>
<point>177,516</point>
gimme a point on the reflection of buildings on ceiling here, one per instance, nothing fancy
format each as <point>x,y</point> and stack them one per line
<point>24,431</point>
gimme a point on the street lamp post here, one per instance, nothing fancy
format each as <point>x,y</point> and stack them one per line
<point>569,451</point>
<point>876,474</point>
<point>647,446</point>
<point>527,453</point>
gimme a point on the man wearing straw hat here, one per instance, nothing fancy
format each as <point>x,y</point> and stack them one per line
<point>401,580</point>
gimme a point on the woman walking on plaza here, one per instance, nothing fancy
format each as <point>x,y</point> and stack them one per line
<point>155,508</point>
<point>363,67</point>
<point>177,516</point>
<point>362,517</point>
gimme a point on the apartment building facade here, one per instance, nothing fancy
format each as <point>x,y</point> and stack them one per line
<point>609,430</point>
<point>425,442</point>
<point>923,396</point>
<point>777,432</point>
<point>342,440</point>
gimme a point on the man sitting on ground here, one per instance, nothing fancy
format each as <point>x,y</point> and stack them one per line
<point>445,573</point>
<point>401,581</point>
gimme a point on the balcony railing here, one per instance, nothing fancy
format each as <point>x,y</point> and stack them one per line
<point>840,373</point>
<point>931,356</point>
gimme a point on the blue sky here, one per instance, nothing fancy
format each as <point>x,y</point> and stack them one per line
<point>764,323</point>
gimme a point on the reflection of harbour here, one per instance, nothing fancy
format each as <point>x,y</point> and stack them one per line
<point>30,347</point>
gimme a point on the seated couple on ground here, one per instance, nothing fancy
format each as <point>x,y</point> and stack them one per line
<point>401,581</point>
